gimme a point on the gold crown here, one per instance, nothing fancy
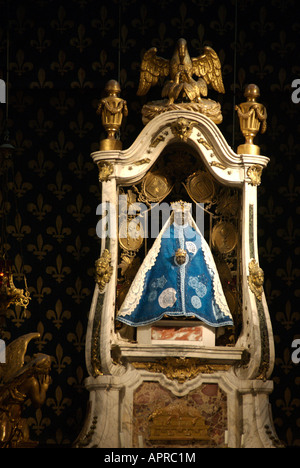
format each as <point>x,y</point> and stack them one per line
<point>181,206</point>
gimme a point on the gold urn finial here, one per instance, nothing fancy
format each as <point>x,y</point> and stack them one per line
<point>253,118</point>
<point>112,110</point>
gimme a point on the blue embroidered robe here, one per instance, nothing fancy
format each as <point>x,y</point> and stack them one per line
<point>162,286</point>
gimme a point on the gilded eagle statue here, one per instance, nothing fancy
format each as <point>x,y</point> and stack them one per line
<point>181,68</point>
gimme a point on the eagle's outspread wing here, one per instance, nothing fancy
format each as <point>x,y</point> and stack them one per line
<point>152,68</point>
<point>208,67</point>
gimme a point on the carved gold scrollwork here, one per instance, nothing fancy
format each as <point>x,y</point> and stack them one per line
<point>202,141</point>
<point>218,164</point>
<point>141,162</point>
<point>256,279</point>
<point>104,270</point>
<point>207,107</point>
<point>179,369</point>
<point>105,171</point>
<point>254,173</point>
<point>182,128</point>
<point>158,139</point>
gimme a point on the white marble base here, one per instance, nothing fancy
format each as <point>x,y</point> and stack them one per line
<point>110,420</point>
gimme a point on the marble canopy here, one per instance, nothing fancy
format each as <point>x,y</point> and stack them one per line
<point>121,372</point>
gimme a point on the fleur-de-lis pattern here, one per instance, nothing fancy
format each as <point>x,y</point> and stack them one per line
<point>61,56</point>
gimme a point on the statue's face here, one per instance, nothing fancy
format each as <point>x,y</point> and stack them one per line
<point>180,257</point>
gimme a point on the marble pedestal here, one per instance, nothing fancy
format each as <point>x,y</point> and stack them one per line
<point>180,333</point>
<point>235,413</point>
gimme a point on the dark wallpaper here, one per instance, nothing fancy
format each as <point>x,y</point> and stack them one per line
<point>61,55</point>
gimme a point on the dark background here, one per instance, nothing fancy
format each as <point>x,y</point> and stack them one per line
<point>61,55</point>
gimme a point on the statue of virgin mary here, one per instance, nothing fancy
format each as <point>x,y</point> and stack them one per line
<point>178,278</point>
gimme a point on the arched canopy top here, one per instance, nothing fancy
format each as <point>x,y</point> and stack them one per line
<point>188,127</point>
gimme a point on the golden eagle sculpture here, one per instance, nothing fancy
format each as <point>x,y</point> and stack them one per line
<point>181,69</point>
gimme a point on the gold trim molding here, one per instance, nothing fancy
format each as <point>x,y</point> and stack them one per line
<point>254,173</point>
<point>179,369</point>
<point>182,128</point>
<point>104,270</point>
<point>105,171</point>
<point>256,279</point>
